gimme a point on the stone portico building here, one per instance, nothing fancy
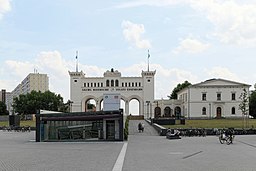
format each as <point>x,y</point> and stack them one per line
<point>83,89</point>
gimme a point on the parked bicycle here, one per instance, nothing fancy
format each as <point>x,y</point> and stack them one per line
<point>226,136</point>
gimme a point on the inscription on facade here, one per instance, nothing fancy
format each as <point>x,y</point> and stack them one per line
<point>112,89</point>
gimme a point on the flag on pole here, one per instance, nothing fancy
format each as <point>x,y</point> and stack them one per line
<point>148,54</point>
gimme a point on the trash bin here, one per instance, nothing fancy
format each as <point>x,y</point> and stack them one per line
<point>182,121</point>
<point>14,120</point>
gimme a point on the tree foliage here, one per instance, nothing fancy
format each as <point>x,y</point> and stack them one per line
<point>244,105</point>
<point>252,104</point>
<point>178,88</point>
<point>29,103</point>
<point>3,108</point>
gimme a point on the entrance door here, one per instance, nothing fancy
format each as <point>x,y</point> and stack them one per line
<point>218,112</point>
<point>110,129</point>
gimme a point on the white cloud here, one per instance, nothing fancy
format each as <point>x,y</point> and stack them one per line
<point>158,3</point>
<point>18,68</point>
<point>50,63</point>
<point>167,79</point>
<point>133,34</point>
<point>190,45</point>
<point>222,72</point>
<point>5,6</point>
<point>234,22</point>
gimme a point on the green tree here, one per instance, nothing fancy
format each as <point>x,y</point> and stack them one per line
<point>244,106</point>
<point>29,103</point>
<point>178,88</point>
<point>3,108</point>
<point>252,104</point>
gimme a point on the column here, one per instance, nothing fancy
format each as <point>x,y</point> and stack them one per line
<point>127,107</point>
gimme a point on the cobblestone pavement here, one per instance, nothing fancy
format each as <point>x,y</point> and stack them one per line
<point>151,153</point>
<point>145,152</point>
<point>19,153</point>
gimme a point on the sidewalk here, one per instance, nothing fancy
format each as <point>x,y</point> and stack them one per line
<point>148,129</point>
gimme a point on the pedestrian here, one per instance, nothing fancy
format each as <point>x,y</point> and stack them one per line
<point>142,127</point>
<point>139,127</point>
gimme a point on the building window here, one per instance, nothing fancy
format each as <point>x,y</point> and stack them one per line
<point>84,84</point>
<point>122,84</point>
<point>101,84</point>
<point>139,84</point>
<point>233,96</point>
<point>203,111</point>
<point>107,83</point>
<point>91,84</point>
<point>132,84</point>
<point>125,84</point>
<point>204,96</point>
<point>75,81</point>
<point>136,84</point>
<point>112,83</point>
<point>218,96</point>
<point>233,111</point>
<point>95,84</point>
<point>129,84</point>
<point>117,83</point>
<point>88,84</point>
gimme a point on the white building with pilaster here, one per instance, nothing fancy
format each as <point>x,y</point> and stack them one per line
<point>214,98</point>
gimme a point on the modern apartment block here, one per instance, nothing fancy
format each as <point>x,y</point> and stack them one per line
<point>3,95</point>
<point>34,81</point>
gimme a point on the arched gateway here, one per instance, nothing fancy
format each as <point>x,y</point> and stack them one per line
<point>84,88</point>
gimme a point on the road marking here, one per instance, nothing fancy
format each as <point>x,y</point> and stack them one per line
<point>247,144</point>
<point>120,160</point>
<point>192,155</point>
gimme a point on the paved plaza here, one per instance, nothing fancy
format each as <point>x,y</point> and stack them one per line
<point>145,152</point>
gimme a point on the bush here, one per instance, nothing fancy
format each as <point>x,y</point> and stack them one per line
<point>126,129</point>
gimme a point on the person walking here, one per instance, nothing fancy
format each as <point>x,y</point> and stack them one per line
<point>140,127</point>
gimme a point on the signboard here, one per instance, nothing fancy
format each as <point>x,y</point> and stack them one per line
<point>111,101</point>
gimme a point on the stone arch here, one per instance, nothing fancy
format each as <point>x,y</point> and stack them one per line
<point>233,110</point>
<point>107,83</point>
<point>85,101</point>
<point>177,112</point>
<point>139,99</point>
<point>157,112</point>
<point>167,111</point>
<point>116,83</point>
<point>218,112</point>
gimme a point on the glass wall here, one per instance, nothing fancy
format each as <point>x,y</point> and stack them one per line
<point>71,130</point>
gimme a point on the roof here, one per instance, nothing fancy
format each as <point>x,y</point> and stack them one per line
<point>219,82</point>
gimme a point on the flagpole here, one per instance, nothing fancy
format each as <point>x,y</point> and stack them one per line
<point>76,61</point>
<point>148,59</point>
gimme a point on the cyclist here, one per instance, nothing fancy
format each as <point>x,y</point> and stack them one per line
<point>230,133</point>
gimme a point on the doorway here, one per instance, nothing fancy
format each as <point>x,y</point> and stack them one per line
<point>110,129</point>
<point>218,110</point>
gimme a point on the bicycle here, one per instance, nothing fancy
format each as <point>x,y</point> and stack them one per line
<point>224,137</point>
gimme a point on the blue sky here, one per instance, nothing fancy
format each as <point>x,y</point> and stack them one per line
<point>192,40</point>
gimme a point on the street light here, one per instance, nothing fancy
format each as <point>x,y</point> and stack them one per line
<point>70,105</point>
<point>148,102</point>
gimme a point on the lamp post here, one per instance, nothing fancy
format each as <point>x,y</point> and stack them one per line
<point>210,111</point>
<point>147,108</point>
<point>70,106</point>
